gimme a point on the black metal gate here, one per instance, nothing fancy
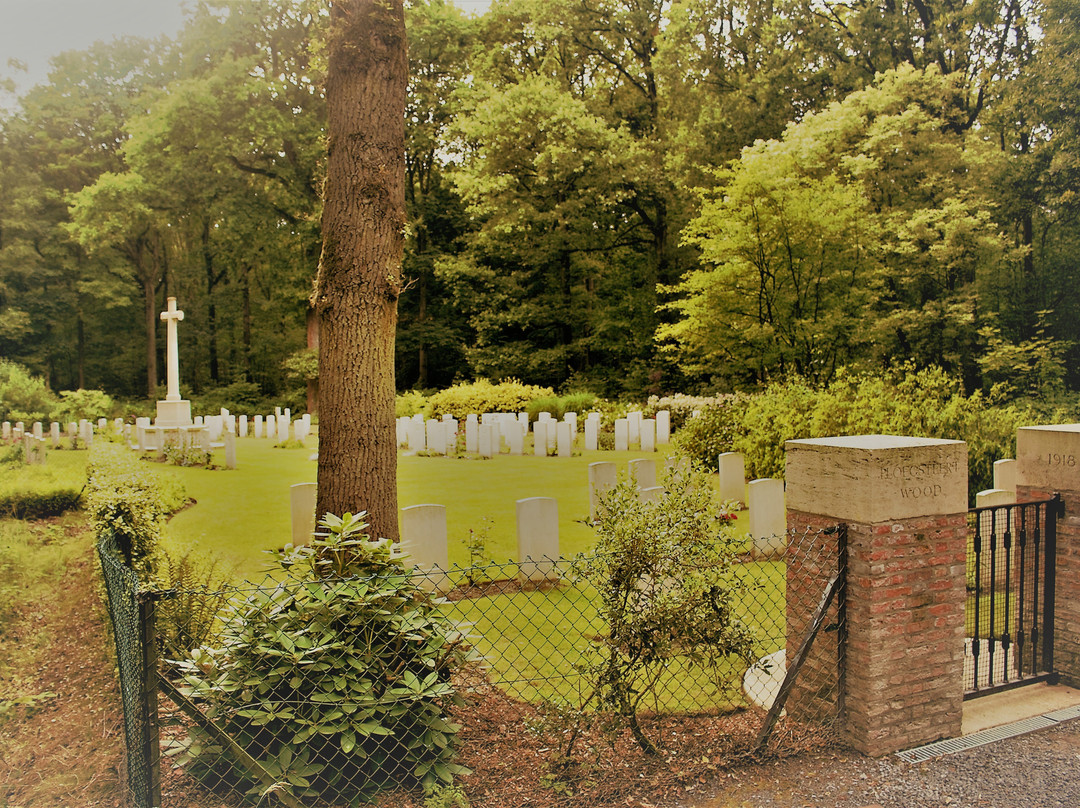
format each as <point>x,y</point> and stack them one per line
<point>1009,611</point>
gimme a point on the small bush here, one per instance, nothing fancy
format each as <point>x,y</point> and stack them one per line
<point>336,679</point>
<point>188,619</point>
<point>713,432</point>
<point>239,398</point>
<point>40,504</point>
<point>23,396</point>
<point>77,404</point>
<point>482,396</point>
<point>410,403</point>
<point>664,571</point>
<point>186,455</point>
<point>682,407</point>
<point>126,501</point>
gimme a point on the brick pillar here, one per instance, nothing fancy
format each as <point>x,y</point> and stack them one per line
<point>1048,461</point>
<point>905,503</point>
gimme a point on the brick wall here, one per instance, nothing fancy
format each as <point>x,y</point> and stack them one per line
<point>905,624</point>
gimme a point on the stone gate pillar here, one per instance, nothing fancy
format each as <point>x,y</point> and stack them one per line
<point>905,503</point>
<point>1048,461</point>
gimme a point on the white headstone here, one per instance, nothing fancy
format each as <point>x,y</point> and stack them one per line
<point>118,425</point>
<point>643,473</point>
<point>602,477</point>
<point>565,443</point>
<point>402,431</point>
<point>633,423</point>
<point>423,538</point>
<point>283,427</point>
<point>592,434</point>
<point>271,427</point>
<point>216,426</point>
<point>648,435</point>
<point>663,427</point>
<point>242,426</point>
<point>652,494</point>
<point>300,429</point>
<point>54,433</point>
<point>6,433</point>
<point>230,450</point>
<point>538,538</point>
<point>516,441</point>
<point>39,431</point>
<point>571,418</point>
<point>1005,475</point>
<point>551,426</point>
<point>302,498</point>
<point>622,435</point>
<point>540,441</point>
<point>102,424</point>
<point>472,433</point>
<point>768,518</point>
<point>487,436</point>
<point>732,482</point>
<point>417,434</point>
<point>199,420</point>
<point>277,412</point>
<point>257,428</point>
<point>436,437</point>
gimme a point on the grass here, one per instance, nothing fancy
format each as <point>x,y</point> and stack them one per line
<point>241,513</point>
<point>535,642</point>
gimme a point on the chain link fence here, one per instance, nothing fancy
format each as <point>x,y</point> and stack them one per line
<point>325,691</point>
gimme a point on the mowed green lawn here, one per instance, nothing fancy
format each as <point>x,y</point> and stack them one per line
<point>238,514</point>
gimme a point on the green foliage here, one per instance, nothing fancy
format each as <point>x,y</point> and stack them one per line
<point>682,407</point>
<point>40,504</point>
<point>337,678</point>
<point>410,403</point>
<point>668,590</point>
<point>482,396</point>
<point>921,403</point>
<point>239,398</point>
<point>713,432</point>
<point>186,455</point>
<point>558,406</point>
<point>127,501</point>
<point>302,364</point>
<point>23,397</point>
<point>188,619</point>
<point>75,405</point>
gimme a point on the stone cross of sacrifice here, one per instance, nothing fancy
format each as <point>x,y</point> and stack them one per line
<point>172,354</point>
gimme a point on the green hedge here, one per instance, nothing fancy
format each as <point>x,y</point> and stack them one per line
<point>39,504</point>
<point>921,403</point>
<point>482,396</point>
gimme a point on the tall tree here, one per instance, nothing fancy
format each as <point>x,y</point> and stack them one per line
<point>360,271</point>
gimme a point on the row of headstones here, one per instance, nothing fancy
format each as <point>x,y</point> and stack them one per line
<point>489,433</point>
<point>83,430</point>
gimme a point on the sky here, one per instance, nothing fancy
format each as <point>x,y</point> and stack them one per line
<point>34,30</point>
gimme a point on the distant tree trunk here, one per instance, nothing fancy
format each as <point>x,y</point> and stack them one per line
<point>150,318</point>
<point>360,268</point>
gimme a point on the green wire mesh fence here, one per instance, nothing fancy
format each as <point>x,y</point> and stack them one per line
<point>326,691</point>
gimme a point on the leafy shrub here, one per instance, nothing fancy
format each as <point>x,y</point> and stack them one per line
<point>188,619</point>
<point>302,364</point>
<point>664,571</point>
<point>186,455</point>
<point>23,397</point>
<point>558,406</point>
<point>337,679</point>
<point>682,407</point>
<point>39,504</point>
<point>126,501</point>
<point>920,403</point>
<point>410,403</point>
<point>482,396</point>
<point>239,398</point>
<point>88,404</point>
<point>713,432</point>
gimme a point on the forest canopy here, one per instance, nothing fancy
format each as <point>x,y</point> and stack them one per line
<point>628,198</point>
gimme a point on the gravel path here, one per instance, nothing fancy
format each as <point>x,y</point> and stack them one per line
<point>1037,770</point>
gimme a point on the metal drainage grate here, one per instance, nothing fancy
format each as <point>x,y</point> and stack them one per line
<point>1065,714</point>
<point>947,747</point>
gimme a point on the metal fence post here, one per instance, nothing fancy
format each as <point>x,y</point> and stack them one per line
<point>152,741</point>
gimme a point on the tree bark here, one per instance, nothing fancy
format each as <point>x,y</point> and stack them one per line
<point>360,268</point>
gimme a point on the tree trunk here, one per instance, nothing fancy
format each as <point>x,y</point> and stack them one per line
<point>151,320</point>
<point>360,268</point>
